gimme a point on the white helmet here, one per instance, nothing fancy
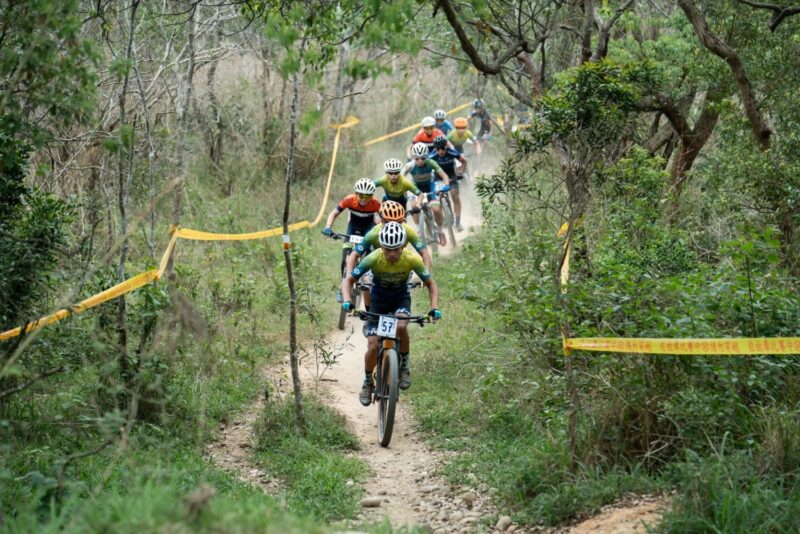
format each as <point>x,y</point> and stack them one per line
<point>392,235</point>
<point>439,114</point>
<point>420,150</point>
<point>427,122</point>
<point>364,186</point>
<point>392,165</point>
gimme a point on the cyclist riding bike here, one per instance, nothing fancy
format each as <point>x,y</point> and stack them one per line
<point>390,265</point>
<point>426,134</point>
<point>390,212</point>
<point>422,170</point>
<point>440,116</point>
<point>394,185</point>
<point>482,114</point>
<point>363,208</point>
<point>461,135</point>
<point>447,158</point>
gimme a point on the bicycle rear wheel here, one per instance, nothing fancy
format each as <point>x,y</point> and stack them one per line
<point>428,231</point>
<point>388,395</point>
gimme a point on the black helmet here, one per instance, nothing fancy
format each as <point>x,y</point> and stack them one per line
<point>440,142</point>
<point>477,103</point>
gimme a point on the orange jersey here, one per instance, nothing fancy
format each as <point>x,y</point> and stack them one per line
<point>423,137</point>
<point>360,216</point>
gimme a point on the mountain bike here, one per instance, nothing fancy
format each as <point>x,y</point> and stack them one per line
<point>387,372</point>
<point>355,295</point>
<point>428,229</point>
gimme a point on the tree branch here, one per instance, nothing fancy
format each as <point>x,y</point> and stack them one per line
<point>605,30</point>
<point>466,44</point>
<point>761,130</point>
<point>779,13</point>
<point>25,385</point>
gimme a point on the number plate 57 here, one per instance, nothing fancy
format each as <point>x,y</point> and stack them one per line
<point>387,326</point>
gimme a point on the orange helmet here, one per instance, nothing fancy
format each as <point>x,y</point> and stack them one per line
<point>392,211</point>
<point>460,122</point>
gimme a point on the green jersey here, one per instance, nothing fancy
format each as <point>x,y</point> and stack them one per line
<point>459,139</point>
<point>371,240</point>
<point>397,190</point>
<point>389,279</point>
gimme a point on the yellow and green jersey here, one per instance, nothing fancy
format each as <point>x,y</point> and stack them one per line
<point>389,279</point>
<point>458,140</point>
<point>398,190</point>
<point>371,241</point>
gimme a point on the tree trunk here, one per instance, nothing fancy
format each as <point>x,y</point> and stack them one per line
<point>761,130</point>
<point>125,155</point>
<point>183,111</point>
<point>217,126</point>
<point>691,144</point>
<point>287,256</point>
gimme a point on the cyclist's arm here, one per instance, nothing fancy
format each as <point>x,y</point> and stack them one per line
<point>463,162</point>
<point>426,258</point>
<point>408,185</point>
<point>439,172</point>
<point>347,286</point>
<point>332,216</point>
<point>407,168</point>
<point>433,292</point>
<point>350,263</point>
<point>355,274</point>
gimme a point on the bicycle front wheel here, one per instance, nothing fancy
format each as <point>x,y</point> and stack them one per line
<point>388,395</point>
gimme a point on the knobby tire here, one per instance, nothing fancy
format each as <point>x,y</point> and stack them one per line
<point>387,397</point>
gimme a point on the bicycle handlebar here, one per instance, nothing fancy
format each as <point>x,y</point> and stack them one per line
<point>418,319</point>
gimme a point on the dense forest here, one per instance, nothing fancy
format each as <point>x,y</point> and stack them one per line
<point>641,179</point>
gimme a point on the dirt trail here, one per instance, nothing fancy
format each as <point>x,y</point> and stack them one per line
<point>234,447</point>
<point>403,474</point>
<point>404,480</point>
<point>628,517</point>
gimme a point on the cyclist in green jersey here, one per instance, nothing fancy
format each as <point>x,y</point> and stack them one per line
<point>390,212</point>
<point>422,170</point>
<point>396,186</point>
<point>390,265</point>
<point>461,135</point>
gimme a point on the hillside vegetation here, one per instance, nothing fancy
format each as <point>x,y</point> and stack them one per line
<point>655,141</point>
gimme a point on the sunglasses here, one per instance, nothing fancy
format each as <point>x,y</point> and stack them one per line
<point>364,196</point>
<point>420,159</point>
<point>392,173</point>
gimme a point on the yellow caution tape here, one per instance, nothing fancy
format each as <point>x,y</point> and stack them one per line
<point>148,277</point>
<point>141,279</point>
<point>411,128</point>
<point>718,346</point>
<point>198,235</point>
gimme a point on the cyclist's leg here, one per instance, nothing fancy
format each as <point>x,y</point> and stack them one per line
<point>404,310</point>
<point>370,361</point>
